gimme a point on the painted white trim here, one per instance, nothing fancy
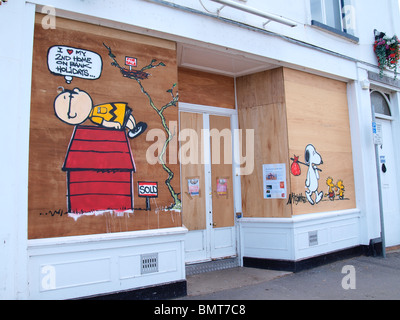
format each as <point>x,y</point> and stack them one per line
<point>207,183</point>
<point>304,217</point>
<point>97,238</point>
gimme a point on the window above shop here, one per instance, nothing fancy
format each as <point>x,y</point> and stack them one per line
<point>335,16</point>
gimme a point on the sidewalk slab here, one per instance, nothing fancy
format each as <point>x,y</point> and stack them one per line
<point>375,279</point>
<point>211,282</point>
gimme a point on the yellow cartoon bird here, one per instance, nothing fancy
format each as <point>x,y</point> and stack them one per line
<point>340,188</point>
<point>331,192</point>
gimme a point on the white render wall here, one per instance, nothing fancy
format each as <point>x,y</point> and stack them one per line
<point>188,26</point>
<point>16,19</point>
<point>350,62</point>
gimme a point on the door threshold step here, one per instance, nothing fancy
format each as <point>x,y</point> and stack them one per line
<point>214,265</point>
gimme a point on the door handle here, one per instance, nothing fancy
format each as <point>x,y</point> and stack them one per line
<point>214,224</point>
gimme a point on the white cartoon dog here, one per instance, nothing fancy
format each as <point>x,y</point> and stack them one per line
<point>313,159</point>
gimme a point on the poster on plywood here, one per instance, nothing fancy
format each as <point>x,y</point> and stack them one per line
<point>274,181</point>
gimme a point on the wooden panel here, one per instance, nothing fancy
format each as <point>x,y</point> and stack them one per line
<point>262,109</point>
<point>206,89</point>
<point>221,171</point>
<point>317,114</point>
<point>50,137</point>
<point>109,32</point>
<point>270,146</point>
<point>194,207</point>
<point>261,88</point>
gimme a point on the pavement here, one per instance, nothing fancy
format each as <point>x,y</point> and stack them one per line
<point>359,278</point>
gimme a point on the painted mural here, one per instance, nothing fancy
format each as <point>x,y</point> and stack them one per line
<point>99,161</point>
<point>314,193</point>
<point>89,129</point>
<point>76,106</point>
<point>138,76</point>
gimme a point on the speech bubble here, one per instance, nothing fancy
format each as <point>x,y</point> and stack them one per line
<point>71,62</point>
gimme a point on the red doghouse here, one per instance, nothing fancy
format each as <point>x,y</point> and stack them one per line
<point>100,167</point>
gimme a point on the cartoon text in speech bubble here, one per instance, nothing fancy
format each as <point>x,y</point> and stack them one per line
<point>73,62</point>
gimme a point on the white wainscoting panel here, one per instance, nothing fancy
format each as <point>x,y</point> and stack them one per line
<point>73,267</point>
<point>299,237</point>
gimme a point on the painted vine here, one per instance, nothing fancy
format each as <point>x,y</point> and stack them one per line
<point>139,75</point>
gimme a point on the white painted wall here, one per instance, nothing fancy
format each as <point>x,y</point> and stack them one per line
<point>16,21</point>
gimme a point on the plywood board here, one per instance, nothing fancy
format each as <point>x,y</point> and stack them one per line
<point>114,33</point>
<point>263,88</point>
<point>205,88</point>
<point>262,109</point>
<point>50,137</point>
<point>270,147</point>
<point>193,206</point>
<point>221,172</point>
<point>317,115</point>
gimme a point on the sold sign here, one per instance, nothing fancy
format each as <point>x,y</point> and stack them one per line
<point>147,189</point>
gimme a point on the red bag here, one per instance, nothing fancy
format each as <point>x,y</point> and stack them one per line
<point>295,168</point>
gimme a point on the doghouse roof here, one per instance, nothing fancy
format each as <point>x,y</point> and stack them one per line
<point>96,148</point>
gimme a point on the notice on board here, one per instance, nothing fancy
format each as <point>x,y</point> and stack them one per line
<point>222,186</point>
<point>194,186</point>
<point>274,181</point>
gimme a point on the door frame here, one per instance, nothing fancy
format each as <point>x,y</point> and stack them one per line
<point>390,240</point>
<point>393,103</point>
<point>237,205</point>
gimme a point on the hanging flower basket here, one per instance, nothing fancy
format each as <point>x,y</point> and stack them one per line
<point>387,51</point>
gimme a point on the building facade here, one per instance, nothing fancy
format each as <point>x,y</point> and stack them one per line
<point>149,135</point>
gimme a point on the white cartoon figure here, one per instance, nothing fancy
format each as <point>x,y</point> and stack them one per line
<point>313,159</point>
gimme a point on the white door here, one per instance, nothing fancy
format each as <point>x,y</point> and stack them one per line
<point>389,187</point>
<point>207,186</point>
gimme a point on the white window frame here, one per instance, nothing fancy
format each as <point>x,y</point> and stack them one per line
<point>380,115</point>
<point>324,15</point>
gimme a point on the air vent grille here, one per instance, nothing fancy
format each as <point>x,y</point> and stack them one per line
<point>313,238</point>
<point>149,263</point>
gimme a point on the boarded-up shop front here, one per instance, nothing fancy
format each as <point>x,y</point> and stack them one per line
<point>104,207</point>
<point>126,181</point>
<point>302,140</point>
